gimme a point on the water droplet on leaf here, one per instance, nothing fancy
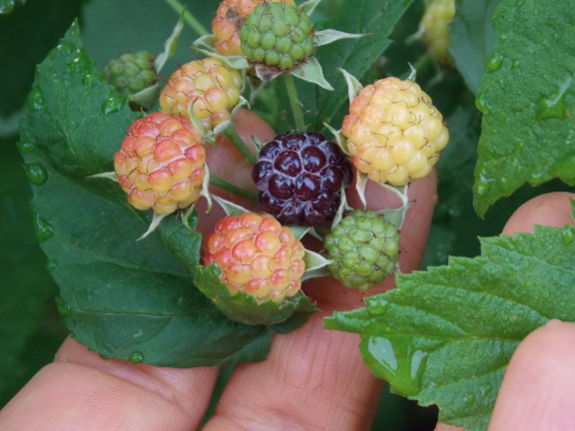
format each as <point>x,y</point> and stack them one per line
<point>136,357</point>
<point>485,389</point>
<point>114,104</point>
<point>553,106</point>
<point>482,104</point>
<point>26,147</point>
<point>43,229</point>
<point>91,79</point>
<point>63,48</point>
<point>376,306</point>
<point>568,236</point>
<point>468,398</point>
<point>63,308</point>
<point>36,173</point>
<point>35,99</point>
<point>51,265</point>
<point>494,63</point>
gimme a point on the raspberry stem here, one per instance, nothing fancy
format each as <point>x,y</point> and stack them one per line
<point>235,190</point>
<point>240,144</point>
<point>294,102</point>
<point>190,19</point>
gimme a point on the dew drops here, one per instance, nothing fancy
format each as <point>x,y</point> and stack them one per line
<point>36,173</point>
<point>553,106</point>
<point>80,63</point>
<point>35,99</point>
<point>418,361</point>
<point>485,389</point>
<point>377,307</point>
<point>568,236</point>
<point>113,104</point>
<point>482,104</point>
<point>494,63</point>
<point>136,357</point>
<point>26,147</point>
<point>63,308</point>
<point>468,398</point>
<point>382,350</point>
<point>91,79</point>
<point>63,48</point>
<point>43,229</point>
<point>51,265</point>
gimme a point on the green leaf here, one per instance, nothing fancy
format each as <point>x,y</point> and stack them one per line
<point>170,45</point>
<point>527,99</point>
<point>446,335</point>
<point>244,308</point>
<point>375,17</point>
<point>472,38</point>
<point>127,299</point>
<point>6,6</point>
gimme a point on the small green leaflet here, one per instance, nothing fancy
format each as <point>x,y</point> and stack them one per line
<point>445,336</point>
<point>527,98</point>
<point>125,299</point>
<point>472,38</point>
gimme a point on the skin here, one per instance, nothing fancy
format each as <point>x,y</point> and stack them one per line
<point>314,379</point>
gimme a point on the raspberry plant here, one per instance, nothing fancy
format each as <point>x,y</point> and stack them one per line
<point>507,103</point>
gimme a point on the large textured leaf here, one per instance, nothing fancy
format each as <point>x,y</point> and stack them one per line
<point>374,17</point>
<point>25,286</point>
<point>445,336</point>
<point>124,298</point>
<point>472,38</point>
<point>527,98</point>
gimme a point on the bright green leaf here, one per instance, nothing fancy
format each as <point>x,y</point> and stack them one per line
<point>527,99</point>
<point>6,6</point>
<point>472,38</point>
<point>445,336</point>
<point>127,299</point>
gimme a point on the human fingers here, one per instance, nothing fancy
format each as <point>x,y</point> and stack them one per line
<point>515,408</point>
<point>314,378</point>
<point>80,390</point>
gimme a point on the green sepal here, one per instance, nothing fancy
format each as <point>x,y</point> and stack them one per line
<point>235,61</point>
<point>146,98</point>
<point>354,87</point>
<point>308,7</point>
<point>244,308</point>
<point>325,37</point>
<point>170,45</point>
<point>311,71</point>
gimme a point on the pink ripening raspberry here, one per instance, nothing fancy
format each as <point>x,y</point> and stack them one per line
<point>257,256</point>
<point>161,164</point>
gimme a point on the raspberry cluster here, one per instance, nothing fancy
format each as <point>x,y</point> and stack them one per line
<point>161,164</point>
<point>300,177</point>
<point>131,73</point>
<point>257,256</point>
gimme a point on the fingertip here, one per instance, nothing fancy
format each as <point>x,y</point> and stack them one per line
<point>538,390</point>
<point>551,209</point>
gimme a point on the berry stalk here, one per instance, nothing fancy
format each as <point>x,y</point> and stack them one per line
<point>235,190</point>
<point>294,102</point>
<point>240,144</point>
<point>190,19</point>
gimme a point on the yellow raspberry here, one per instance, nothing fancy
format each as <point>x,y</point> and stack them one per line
<point>161,164</point>
<point>257,256</point>
<point>394,132</point>
<point>230,16</point>
<point>212,87</point>
<point>437,16</point>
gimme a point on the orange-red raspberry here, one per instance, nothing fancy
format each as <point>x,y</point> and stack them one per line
<point>230,16</point>
<point>161,164</point>
<point>257,256</point>
<point>209,85</point>
<point>394,132</point>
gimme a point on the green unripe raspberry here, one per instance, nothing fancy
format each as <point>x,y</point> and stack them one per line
<point>131,73</point>
<point>364,248</point>
<point>277,35</point>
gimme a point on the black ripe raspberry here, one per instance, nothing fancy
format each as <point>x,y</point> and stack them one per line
<point>300,176</point>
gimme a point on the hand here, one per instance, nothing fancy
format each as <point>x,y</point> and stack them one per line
<point>538,390</point>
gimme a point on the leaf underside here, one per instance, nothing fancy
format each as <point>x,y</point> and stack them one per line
<point>446,335</point>
<point>527,97</point>
<point>124,298</point>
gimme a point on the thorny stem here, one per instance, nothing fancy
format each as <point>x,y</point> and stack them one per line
<point>294,102</point>
<point>235,190</point>
<point>190,19</point>
<point>240,144</point>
